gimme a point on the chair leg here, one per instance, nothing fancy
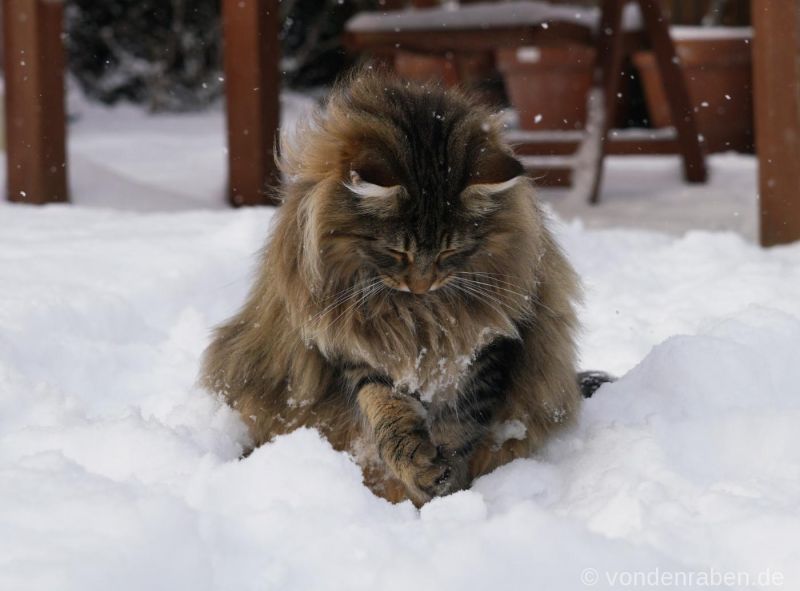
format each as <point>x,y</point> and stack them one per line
<point>609,58</point>
<point>677,92</point>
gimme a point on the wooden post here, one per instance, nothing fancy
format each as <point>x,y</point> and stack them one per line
<point>610,58</point>
<point>33,56</point>
<point>676,89</point>
<point>252,86</point>
<point>611,50</point>
<point>776,75</point>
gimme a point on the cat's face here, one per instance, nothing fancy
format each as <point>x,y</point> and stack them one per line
<point>421,184</point>
<point>417,240</point>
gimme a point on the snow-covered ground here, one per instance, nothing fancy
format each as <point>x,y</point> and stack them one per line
<point>124,159</point>
<point>117,473</point>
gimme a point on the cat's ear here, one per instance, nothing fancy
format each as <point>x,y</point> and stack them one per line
<point>375,185</point>
<point>495,167</point>
<point>373,170</point>
<point>365,189</point>
<point>495,173</point>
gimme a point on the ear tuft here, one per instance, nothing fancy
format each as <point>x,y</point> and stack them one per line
<point>495,172</point>
<point>367,190</point>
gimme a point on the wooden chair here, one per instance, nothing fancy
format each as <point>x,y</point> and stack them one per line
<point>543,24</point>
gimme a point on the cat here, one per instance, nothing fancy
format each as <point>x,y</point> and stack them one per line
<point>411,304</point>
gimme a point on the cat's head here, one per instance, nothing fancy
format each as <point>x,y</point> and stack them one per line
<point>411,185</point>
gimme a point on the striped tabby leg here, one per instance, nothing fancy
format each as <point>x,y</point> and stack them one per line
<point>398,426</point>
<point>463,426</point>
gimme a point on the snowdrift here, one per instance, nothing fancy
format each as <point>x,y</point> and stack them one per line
<point>117,472</point>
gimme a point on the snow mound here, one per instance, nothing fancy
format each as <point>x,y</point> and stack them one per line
<point>117,472</point>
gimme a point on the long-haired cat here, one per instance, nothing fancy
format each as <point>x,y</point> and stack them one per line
<point>411,303</point>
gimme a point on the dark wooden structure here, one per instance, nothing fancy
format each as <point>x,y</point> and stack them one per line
<point>732,13</point>
<point>547,26</point>
<point>33,59</point>
<point>252,88</point>
<point>36,163</point>
<point>611,54</point>
<point>35,118</point>
<point>776,70</point>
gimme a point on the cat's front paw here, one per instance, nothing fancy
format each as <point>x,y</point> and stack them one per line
<point>433,474</point>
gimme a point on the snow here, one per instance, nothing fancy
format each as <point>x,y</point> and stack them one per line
<point>684,32</point>
<point>508,13</point>
<point>169,162</point>
<point>484,15</point>
<point>116,471</point>
<point>642,192</point>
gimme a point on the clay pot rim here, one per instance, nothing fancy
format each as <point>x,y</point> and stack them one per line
<point>572,57</point>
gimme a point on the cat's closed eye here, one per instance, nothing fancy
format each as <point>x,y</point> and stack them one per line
<point>401,256</point>
<point>405,257</point>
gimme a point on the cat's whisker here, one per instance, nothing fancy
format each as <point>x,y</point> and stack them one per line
<point>493,278</point>
<point>501,307</point>
<point>374,292</point>
<point>484,297</point>
<point>479,288</point>
<point>488,295</point>
<point>344,296</point>
<point>512,291</point>
<point>357,287</point>
<point>343,293</point>
<point>358,297</point>
<point>341,297</point>
<point>384,297</point>
<point>490,277</point>
<point>528,297</point>
<point>482,300</point>
<point>367,292</point>
<point>496,283</point>
<point>446,294</point>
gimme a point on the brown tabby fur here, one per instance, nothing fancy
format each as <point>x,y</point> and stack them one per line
<point>379,371</point>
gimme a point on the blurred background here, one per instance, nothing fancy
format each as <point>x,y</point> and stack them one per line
<point>167,54</point>
<point>147,83</point>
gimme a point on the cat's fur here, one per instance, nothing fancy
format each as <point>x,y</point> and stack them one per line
<point>393,189</point>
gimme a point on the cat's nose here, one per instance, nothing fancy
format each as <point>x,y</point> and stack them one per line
<point>419,284</point>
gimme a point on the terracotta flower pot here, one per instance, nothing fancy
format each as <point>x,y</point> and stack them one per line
<point>548,86</point>
<point>717,65</point>
<point>422,68</point>
<point>474,71</point>
<point>470,69</point>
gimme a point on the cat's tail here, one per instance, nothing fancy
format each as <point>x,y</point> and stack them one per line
<point>590,381</point>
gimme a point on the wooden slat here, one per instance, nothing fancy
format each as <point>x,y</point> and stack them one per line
<point>438,41</point>
<point>776,73</point>
<point>620,143</point>
<point>33,56</point>
<point>252,87</point>
<point>662,142</point>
